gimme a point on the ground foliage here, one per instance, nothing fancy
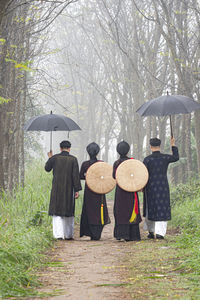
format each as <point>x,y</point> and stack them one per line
<point>185,215</point>
<point>167,269</point>
<point>170,268</point>
<point>25,233</point>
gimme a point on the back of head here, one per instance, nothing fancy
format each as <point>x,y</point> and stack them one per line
<point>155,142</point>
<point>93,149</point>
<point>65,145</point>
<point>123,148</point>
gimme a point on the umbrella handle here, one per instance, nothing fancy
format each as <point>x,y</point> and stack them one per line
<point>170,119</point>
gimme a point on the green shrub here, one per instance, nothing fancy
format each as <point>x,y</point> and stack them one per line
<point>185,215</point>
<point>185,192</point>
<point>25,232</point>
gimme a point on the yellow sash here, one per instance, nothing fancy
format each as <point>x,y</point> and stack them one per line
<point>102,217</point>
<point>133,216</point>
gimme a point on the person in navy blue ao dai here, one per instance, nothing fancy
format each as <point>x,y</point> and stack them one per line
<point>156,204</point>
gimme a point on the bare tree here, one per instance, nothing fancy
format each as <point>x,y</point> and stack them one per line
<point>21,24</point>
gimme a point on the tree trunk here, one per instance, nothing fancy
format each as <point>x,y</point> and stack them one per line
<point>197,137</point>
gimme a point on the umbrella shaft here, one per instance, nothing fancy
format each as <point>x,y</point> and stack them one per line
<point>170,118</point>
<point>51,141</point>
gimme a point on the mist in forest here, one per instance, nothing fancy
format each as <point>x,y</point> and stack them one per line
<point>97,62</point>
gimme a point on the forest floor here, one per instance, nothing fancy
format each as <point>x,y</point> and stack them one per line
<point>111,269</point>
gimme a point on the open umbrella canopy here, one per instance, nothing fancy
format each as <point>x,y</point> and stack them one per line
<point>168,105</point>
<point>51,122</point>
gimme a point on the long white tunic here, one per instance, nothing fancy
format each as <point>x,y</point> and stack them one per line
<point>157,227</point>
<point>63,227</point>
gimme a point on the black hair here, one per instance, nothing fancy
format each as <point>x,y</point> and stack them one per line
<point>123,148</point>
<point>65,145</point>
<point>93,149</point>
<point>155,142</point>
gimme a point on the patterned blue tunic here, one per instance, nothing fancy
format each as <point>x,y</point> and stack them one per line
<point>156,193</point>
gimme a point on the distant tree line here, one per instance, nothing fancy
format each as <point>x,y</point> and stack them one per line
<point>120,53</point>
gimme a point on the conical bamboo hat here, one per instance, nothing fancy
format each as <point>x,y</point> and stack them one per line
<point>99,178</point>
<point>132,175</point>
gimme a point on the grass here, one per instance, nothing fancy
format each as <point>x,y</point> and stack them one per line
<point>170,268</point>
<point>25,233</point>
<point>165,269</point>
<point>156,272</point>
<point>186,217</point>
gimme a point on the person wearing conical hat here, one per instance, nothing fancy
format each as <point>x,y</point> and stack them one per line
<point>91,217</point>
<point>126,205</point>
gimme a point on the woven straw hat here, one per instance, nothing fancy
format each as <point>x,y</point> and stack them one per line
<point>99,178</point>
<point>132,175</point>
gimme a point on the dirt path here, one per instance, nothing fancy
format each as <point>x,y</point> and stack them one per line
<point>110,269</point>
<point>89,269</point>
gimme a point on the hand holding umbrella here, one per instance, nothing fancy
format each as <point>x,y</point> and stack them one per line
<point>172,142</point>
<point>50,154</point>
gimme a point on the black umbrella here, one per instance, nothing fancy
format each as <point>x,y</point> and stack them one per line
<point>168,105</point>
<point>51,122</point>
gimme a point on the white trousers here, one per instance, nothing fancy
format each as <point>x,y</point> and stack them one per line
<point>157,227</point>
<point>63,227</point>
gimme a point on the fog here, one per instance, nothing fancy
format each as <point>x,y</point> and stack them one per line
<point>103,61</point>
<point>97,62</point>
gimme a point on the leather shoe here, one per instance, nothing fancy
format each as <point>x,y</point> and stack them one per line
<point>150,235</point>
<point>159,237</point>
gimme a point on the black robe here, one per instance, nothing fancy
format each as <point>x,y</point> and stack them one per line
<point>66,182</point>
<point>156,192</point>
<point>91,211</point>
<point>123,207</point>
